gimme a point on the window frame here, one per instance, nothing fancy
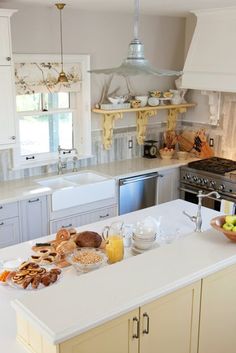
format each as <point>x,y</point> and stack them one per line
<point>80,106</point>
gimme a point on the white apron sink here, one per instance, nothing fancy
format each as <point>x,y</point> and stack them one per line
<point>78,189</point>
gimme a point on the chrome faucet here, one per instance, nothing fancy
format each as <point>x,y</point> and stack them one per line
<point>198,218</point>
<point>60,164</point>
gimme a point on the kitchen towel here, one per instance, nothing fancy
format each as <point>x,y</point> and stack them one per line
<point>227,207</point>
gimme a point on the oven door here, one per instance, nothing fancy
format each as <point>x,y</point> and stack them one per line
<point>189,193</point>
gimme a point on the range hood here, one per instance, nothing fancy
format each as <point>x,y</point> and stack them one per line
<point>211,59</point>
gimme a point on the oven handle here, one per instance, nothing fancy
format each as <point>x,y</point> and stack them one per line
<point>222,197</point>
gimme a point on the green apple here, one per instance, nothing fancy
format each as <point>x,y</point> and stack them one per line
<point>234,229</point>
<point>231,220</point>
<point>228,226</point>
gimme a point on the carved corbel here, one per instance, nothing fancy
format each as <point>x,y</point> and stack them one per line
<point>172,117</point>
<point>108,125</point>
<point>142,121</point>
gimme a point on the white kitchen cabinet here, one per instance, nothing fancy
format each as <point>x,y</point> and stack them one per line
<point>7,89</point>
<point>34,218</point>
<point>168,185</point>
<point>9,232</point>
<point>83,218</point>
<point>9,224</point>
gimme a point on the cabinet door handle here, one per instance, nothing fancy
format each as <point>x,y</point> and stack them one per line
<point>2,223</point>
<point>35,200</point>
<point>8,58</point>
<point>13,137</point>
<point>146,330</point>
<point>136,320</point>
<point>1,207</point>
<point>104,216</point>
<point>28,158</point>
<point>67,226</point>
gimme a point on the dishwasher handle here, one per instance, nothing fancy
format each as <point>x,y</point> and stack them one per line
<point>137,178</point>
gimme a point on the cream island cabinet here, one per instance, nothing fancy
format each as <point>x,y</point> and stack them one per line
<point>176,298</point>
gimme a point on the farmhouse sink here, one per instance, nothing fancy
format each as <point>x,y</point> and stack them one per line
<point>78,189</point>
<point>85,178</point>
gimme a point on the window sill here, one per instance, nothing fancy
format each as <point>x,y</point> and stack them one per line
<point>42,163</point>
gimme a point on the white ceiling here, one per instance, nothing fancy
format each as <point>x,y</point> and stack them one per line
<point>161,7</point>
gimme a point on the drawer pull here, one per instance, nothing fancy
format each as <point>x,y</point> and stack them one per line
<point>146,330</point>
<point>104,216</point>
<point>35,200</point>
<point>2,223</point>
<point>1,207</point>
<point>8,58</point>
<point>136,320</point>
<point>68,226</point>
<point>27,158</point>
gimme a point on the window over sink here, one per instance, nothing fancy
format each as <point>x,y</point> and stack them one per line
<point>51,114</point>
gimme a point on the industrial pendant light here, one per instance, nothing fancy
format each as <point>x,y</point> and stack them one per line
<point>62,76</point>
<point>135,63</point>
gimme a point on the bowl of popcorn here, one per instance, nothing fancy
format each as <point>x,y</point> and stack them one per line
<point>87,259</point>
<point>166,153</point>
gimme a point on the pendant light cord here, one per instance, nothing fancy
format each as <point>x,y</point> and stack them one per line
<point>136,19</point>
<point>61,39</point>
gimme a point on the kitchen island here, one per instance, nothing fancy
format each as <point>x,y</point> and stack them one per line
<point>78,304</point>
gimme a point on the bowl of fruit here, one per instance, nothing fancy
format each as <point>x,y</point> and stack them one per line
<point>166,153</point>
<point>226,225</point>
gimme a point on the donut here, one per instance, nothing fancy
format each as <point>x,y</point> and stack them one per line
<point>63,234</point>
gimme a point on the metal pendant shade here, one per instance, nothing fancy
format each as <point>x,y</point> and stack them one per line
<point>135,63</point>
<point>62,76</point>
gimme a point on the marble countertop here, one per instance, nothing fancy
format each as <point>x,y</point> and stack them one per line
<point>21,189</point>
<point>120,287</point>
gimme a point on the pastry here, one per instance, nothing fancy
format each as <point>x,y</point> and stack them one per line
<point>35,258</point>
<point>63,234</point>
<point>88,239</point>
<point>66,247</point>
<point>72,231</point>
<point>36,248</point>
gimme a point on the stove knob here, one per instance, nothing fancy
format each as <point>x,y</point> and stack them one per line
<point>205,181</point>
<point>221,187</point>
<point>212,184</point>
<point>188,176</point>
<point>195,179</point>
<point>199,181</point>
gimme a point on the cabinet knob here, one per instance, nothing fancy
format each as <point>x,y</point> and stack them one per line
<point>136,334</point>
<point>2,223</point>
<point>8,58</point>
<point>13,137</point>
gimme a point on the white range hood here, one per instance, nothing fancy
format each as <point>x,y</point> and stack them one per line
<point>211,59</point>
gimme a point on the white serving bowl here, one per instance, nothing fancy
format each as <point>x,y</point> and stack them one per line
<point>142,99</point>
<point>143,244</point>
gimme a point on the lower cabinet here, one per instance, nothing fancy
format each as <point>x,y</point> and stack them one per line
<point>34,218</point>
<point>218,313</point>
<point>83,218</point>
<point>9,224</point>
<point>167,325</point>
<point>168,185</point>
<point>9,232</point>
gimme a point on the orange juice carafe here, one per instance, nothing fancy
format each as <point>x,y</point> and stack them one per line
<point>115,248</point>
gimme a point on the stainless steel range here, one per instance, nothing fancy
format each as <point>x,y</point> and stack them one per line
<point>207,175</point>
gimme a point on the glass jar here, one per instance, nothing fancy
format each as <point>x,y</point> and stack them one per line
<point>115,244</point>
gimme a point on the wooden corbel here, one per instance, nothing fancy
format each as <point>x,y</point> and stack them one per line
<point>108,125</point>
<point>172,117</point>
<point>142,121</point>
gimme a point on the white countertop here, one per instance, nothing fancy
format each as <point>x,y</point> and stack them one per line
<point>120,287</point>
<point>21,189</point>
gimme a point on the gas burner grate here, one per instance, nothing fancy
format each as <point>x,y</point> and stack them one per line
<point>214,165</point>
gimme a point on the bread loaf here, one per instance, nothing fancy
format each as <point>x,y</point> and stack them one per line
<point>88,239</point>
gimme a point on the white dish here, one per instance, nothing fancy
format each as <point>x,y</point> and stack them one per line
<point>153,101</point>
<point>11,264</point>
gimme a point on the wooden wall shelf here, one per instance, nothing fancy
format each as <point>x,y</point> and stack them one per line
<point>142,116</point>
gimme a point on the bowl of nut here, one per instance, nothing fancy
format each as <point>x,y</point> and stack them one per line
<point>87,259</point>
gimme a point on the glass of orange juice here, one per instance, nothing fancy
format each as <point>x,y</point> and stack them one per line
<point>115,245</point>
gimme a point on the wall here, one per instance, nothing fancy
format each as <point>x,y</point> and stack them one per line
<point>105,36</point>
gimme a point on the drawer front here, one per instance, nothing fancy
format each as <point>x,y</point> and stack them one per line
<point>83,218</point>
<point>9,232</point>
<point>8,210</point>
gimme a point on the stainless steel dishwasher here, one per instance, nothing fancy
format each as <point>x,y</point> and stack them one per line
<point>137,192</point>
